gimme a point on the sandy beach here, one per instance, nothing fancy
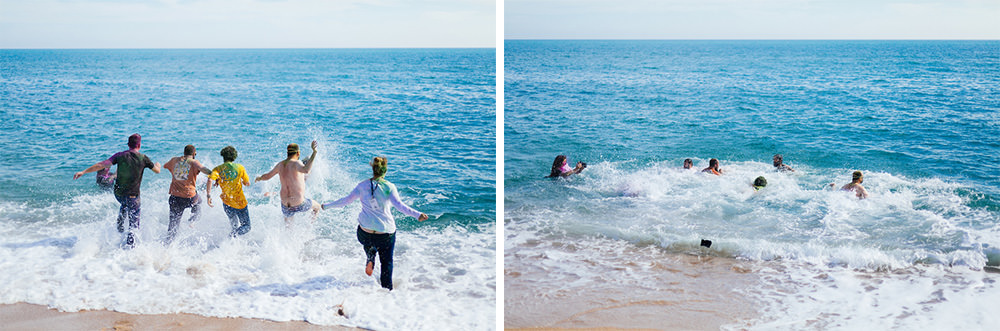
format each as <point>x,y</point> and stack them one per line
<point>22,316</point>
<point>668,291</point>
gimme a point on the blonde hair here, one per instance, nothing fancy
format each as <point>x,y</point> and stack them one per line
<point>379,166</point>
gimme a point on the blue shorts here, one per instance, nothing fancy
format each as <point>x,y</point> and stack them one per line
<point>289,211</point>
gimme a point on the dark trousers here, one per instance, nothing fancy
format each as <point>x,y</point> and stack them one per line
<point>239,219</point>
<point>177,206</point>
<point>129,210</point>
<point>383,244</point>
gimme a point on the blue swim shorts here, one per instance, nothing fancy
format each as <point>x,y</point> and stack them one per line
<point>289,211</point>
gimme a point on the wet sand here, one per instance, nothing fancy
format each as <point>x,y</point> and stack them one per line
<point>652,289</point>
<point>22,316</point>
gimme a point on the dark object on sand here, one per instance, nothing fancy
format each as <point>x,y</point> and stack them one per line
<point>706,243</point>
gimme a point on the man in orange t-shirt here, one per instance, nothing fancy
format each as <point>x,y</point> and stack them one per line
<point>184,172</point>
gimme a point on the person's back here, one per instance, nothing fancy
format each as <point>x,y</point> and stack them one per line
<point>713,167</point>
<point>855,185</point>
<point>183,194</point>
<point>184,174</point>
<point>293,182</point>
<point>131,164</point>
<point>231,177</point>
<point>292,174</point>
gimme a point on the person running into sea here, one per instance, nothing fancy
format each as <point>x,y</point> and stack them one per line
<point>183,194</point>
<point>131,166</point>
<point>855,185</point>
<point>106,179</point>
<point>779,164</point>
<point>376,225</point>
<point>688,163</point>
<point>292,174</point>
<point>560,168</point>
<point>231,177</point>
<point>713,168</point>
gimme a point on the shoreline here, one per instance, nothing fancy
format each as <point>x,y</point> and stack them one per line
<point>659,290</point>
<point>26,316</point>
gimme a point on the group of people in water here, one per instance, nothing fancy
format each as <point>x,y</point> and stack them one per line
<point>560,168</point>
<point>376,229</point>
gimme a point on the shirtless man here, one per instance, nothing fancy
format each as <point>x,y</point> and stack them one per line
<point>713,168</point>
<point>292,173</point>
<point>855,185</point>
<point>780,165</point>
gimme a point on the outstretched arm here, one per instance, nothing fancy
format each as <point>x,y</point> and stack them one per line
<point>156,167</point>
<point>312,158</point>
<point>97,166</point>
<point>355,194</point>
<point>402,207</point>
<point>274,171</point>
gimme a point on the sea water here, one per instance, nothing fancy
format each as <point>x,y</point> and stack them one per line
<point>921,120</point>
<point>431,112</point>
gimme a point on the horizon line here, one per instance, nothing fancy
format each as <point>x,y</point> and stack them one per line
<point>748,39</point>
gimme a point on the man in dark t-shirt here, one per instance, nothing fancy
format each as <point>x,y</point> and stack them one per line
<point>131,164</point>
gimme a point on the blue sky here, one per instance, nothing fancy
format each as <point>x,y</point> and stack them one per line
<point>246,23</point>
<point>752,19</point>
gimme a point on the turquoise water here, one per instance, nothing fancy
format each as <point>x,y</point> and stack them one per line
<point>920,118</point>
<point>431,112</point>
<point>921,109</point>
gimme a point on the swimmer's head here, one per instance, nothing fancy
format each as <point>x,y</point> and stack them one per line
<point>688,163</point>
<point>858,177</point>
<point>777,160</point>
<point>293,150</point>
<point>759,183</point>
<point>557,165</point>
<point>189,150</point>
<point>228,154</point>
<point>379,166</point>
<point>134,141</point>
<point>713,163</point>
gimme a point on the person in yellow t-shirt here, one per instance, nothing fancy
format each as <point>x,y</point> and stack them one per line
<point>231,177</point>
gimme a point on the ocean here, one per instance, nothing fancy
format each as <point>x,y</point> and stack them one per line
<point>431,112</point>
<point>920,119</point>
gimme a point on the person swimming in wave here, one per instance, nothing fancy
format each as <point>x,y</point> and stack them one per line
<point>376,226</point>
<point>713,168</point>
<point>855,185</point>
<point>759,183</point>
<point>688,163</point>
<point>560,168</point>
<point>779,164</point>
<point>106,179</point>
